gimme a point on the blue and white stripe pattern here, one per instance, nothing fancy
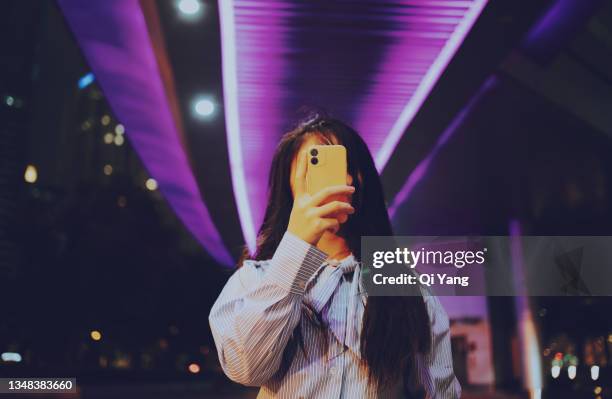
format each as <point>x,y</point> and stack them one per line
<point>262,303</point>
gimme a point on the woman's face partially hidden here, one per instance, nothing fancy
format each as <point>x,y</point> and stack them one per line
<point>316,139</point>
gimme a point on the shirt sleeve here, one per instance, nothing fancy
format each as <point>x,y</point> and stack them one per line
<point>436,367</point>
<point>259,308</point>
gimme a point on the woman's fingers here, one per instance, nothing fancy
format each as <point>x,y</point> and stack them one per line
<point>308,220</point>
<point>300,173</point>
<point>330,224</point>
<point>334,208</point>
<point>327,192</point>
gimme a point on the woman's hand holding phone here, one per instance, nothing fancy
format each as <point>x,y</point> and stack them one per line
<point>312,215</point>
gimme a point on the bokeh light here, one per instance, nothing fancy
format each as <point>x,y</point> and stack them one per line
<point>194,368</point>
<point>95,335</point>
<point>31,174</point>
<point>151,184</point>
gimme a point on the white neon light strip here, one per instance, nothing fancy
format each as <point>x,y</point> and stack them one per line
<point>232,121</point>
<point>427,83</point>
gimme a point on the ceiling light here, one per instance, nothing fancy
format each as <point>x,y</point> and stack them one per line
<point>204,107</point>
<point>190,8</point>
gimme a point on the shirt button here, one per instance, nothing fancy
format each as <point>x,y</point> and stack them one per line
<point>301,285</point>
<point>333,370</point>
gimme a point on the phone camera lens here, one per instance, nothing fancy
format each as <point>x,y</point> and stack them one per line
<point>314,152</point>
<point>314,161</point>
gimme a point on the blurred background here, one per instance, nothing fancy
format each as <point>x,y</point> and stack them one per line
<point>135,139</point>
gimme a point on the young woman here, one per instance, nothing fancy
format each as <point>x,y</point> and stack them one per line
<point>295,319</point>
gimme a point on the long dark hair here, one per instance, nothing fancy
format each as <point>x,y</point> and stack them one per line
<point>394,329</point>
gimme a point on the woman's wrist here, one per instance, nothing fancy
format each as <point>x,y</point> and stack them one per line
<point>294,262</point>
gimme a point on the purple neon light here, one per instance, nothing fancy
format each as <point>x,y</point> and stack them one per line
<point>116,44</point>
<point>442,29</point>
<point>557,26</point>
<point>265,43</point>
<point>419,172</point>
<point>528,337</point>
<point>253,47</point>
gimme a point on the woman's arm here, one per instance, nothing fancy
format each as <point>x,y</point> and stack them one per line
<point>259,308</point>
<point>436,368</point>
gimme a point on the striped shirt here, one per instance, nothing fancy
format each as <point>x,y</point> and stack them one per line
<point>263,302</point>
